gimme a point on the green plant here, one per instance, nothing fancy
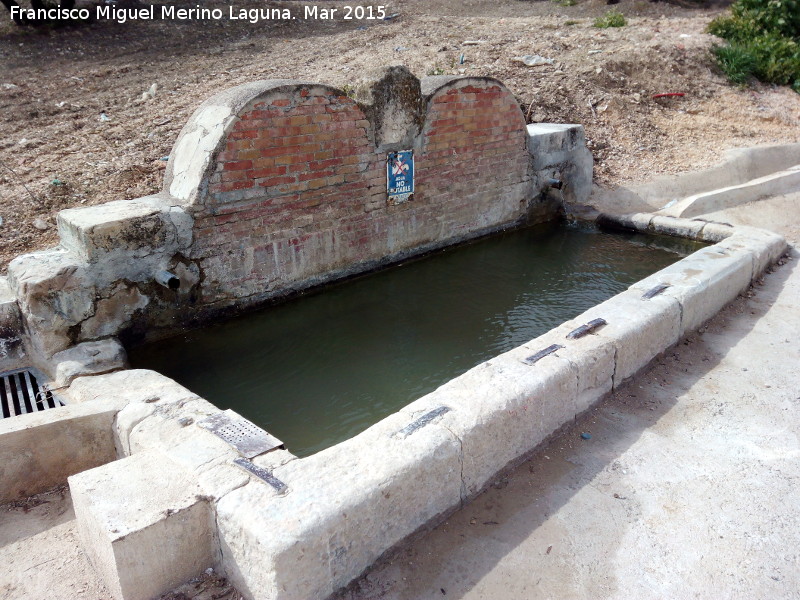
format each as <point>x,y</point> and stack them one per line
<point>570,23</point>
<point>435,70</point>
<point>736,62</point>
<point>763,42</point>
<point>612,18</point>
<point>566,2</point>
<point>349,90</point>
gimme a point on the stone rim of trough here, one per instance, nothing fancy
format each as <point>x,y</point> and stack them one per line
<point>340,558</point>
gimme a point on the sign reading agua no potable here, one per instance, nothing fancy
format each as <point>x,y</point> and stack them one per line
<point>400,176</point>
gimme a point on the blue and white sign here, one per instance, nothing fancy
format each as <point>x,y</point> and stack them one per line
<point>400,176</point>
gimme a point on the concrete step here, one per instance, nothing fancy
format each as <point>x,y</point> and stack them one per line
<point>774,184</point>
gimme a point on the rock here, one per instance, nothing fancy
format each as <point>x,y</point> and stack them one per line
<point>533,60</point>
<point>89,358</point>
<point>113,312</point>
<point>54,293</point>
<point>41,224</point>
<point>9,86</point>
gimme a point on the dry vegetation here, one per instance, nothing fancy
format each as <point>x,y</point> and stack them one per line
<point>57,150</point>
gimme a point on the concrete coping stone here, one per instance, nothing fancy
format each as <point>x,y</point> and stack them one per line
<point>331,521</point>
<point>782,182</point>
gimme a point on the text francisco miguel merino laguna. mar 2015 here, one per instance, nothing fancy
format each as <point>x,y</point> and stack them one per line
<point>198,13</point>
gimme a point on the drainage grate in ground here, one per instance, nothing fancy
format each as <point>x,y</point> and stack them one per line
<point>21,393</point>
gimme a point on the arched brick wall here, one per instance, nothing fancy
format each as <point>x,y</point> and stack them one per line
<point>473,152</point>
<point>293,190</point>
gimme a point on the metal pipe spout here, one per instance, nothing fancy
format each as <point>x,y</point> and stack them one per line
<point>168,280</point>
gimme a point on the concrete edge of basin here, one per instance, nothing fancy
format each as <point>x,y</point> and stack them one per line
<point>426,460</point>
<point>41,450</point>
<point>501,399</point>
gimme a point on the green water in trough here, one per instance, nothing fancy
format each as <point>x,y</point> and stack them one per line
<point>317,369</point>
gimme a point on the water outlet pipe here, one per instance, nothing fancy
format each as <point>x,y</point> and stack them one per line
<point>168,280</point>
<point>555,183</point>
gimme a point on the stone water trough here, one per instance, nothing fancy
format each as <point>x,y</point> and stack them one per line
<point>274,187</point>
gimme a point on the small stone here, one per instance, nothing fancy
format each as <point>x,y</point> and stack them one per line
<point>41,224</point>
<point>533,60</point>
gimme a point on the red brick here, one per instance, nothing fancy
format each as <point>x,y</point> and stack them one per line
<point>241,135</point>
<point>238,165</point>
<point>265,172</point>
<point>314,175</point>
<point>292,159</point>
<point>235,185</point>
<point>276,181</point>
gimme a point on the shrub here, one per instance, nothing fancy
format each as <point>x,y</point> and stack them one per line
<point>763,42</point>
<point>613,18</point>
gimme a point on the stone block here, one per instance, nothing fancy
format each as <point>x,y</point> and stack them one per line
<point>140,393</point>
<point>126,239</point>
<point>551,139</point>
<point>716,232</point>
<point>336,520</point>
<point>702,283</point>
<point>677,227</point>
<point>113,312</point>
<point>638,329</point>
<point>592,357</point>
<point>502,409</point>
<point>89,358</point>
<point>631,221</point>
<point>11,346</point>
<point>144,524</point>
<point>55,292</point>
<point>40,450</point>
<point>765,246</point>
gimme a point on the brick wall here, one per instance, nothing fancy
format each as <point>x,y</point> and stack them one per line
<point>297,190</point>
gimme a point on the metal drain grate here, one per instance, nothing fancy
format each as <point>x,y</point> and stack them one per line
<point>20,393</point>
<point>247,437</point>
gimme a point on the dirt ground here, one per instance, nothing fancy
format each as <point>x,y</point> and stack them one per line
<point>74,129</point>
